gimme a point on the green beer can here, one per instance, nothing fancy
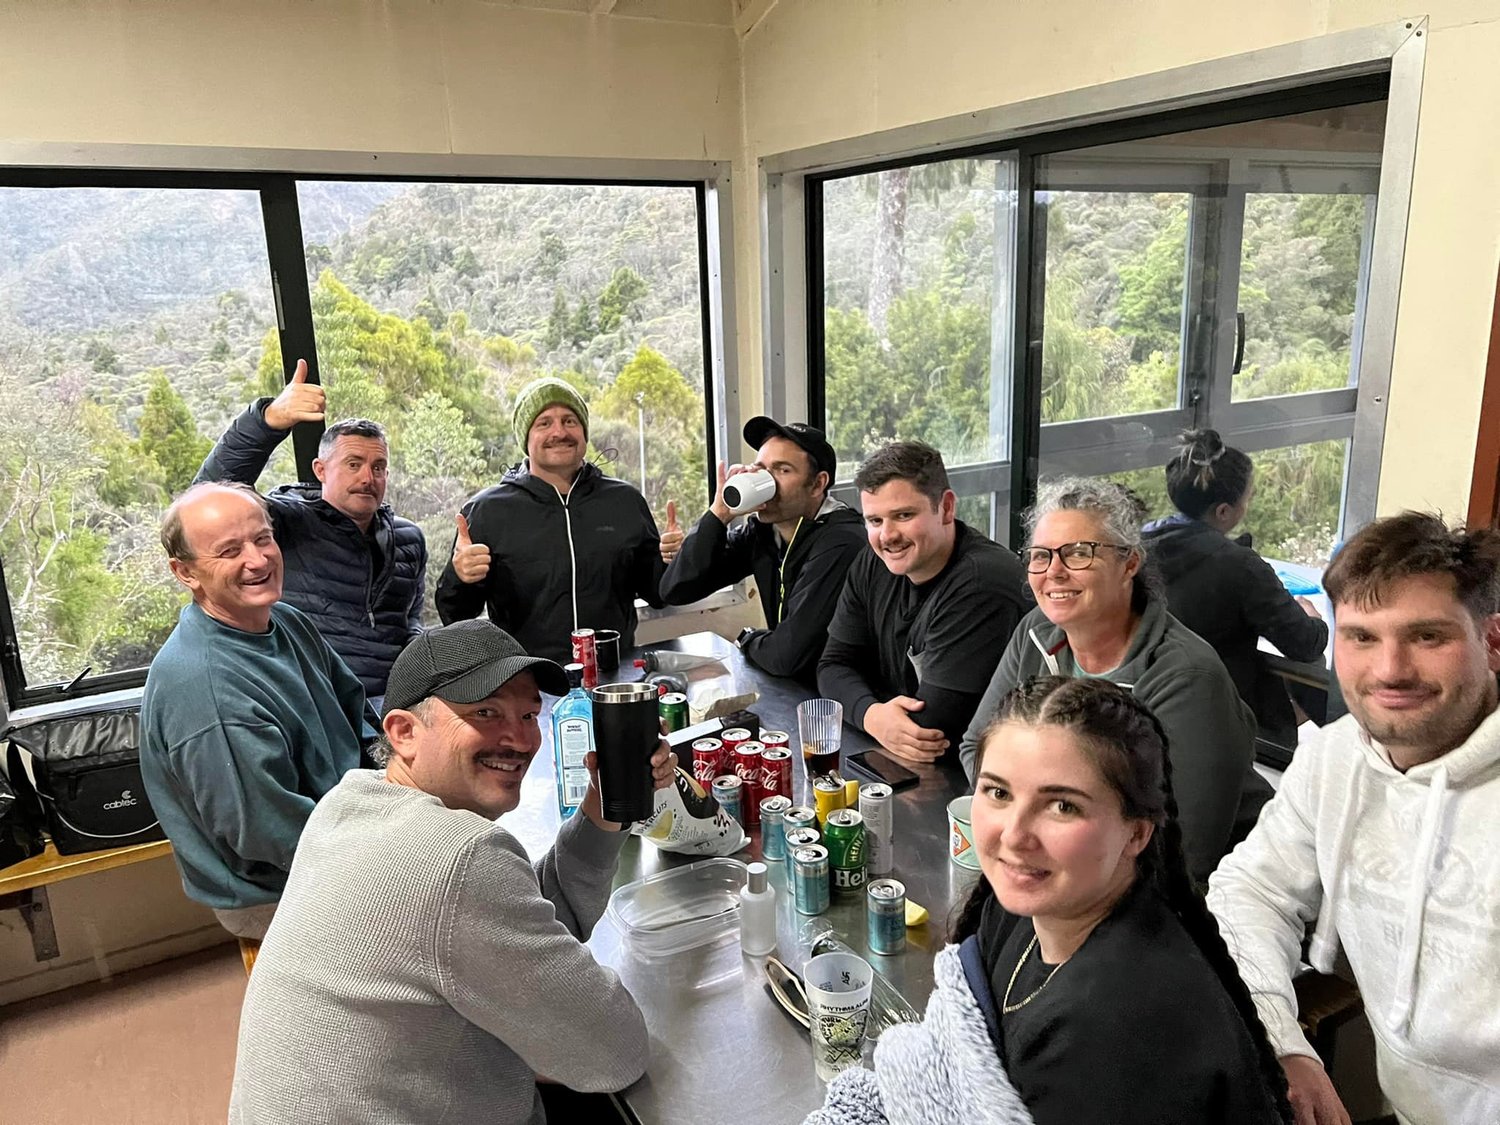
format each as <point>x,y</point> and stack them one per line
<point>673,709</point>
<point>844,837</point>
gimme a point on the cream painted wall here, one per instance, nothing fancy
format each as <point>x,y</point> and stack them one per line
<point>424,76</point>
<point>820,70</point>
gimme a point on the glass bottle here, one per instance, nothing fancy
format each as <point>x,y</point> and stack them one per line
<point>572,738</point>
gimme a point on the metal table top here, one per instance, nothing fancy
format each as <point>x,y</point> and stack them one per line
<point>707,1008</point>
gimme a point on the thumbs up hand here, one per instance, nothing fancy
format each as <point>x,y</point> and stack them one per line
<point>471,560</point>
<point>300,401</point>
<point>672,537</point>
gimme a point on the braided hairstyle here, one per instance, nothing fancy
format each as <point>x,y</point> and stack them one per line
<point>1125,742</point>
<point>1204,473</point>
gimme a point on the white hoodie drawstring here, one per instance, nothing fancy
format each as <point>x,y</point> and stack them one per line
<point>1047,657</point>
<point>1416,903</point>
<point>572,555</point>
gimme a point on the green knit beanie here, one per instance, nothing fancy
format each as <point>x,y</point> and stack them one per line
<point>537,396</point>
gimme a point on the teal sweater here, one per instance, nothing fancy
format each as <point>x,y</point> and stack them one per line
<point>241,734</point>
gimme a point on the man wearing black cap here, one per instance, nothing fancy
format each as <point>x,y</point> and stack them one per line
<point>799,545</point>
<point>419,967</point>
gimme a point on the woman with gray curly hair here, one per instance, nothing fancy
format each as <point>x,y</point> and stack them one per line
<point>1099,615</point>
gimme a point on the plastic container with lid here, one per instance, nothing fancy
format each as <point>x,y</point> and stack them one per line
<point>678,909</point>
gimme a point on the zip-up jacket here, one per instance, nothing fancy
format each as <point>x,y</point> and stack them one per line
<point>799,585</point>
<point>558,563</point>
<point>1230,596</point>
<point>363,591</point>
<point>1210,731</point>
<point>1401,872</point>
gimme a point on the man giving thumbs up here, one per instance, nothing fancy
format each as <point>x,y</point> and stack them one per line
<point>352,565</point>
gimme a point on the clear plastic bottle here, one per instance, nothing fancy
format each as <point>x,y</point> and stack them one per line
<point>757,913</point>
<point>572,738</point>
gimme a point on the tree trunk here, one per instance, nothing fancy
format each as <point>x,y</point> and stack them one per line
<point>890,246</point>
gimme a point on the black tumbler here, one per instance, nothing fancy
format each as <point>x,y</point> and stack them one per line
<point>627,730</point>
<point>607,649</point>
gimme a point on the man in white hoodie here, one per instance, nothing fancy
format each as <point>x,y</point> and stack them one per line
<point>1385,831</point>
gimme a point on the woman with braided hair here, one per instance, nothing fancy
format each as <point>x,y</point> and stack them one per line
<point>1087,984</point>
<point>1220,588</point>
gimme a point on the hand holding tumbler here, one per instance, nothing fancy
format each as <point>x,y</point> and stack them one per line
<point>626,733</point>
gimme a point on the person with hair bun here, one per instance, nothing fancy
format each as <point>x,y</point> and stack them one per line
<point>1220,588</point>
<point>1100,615</point>
<point>1086,983</point>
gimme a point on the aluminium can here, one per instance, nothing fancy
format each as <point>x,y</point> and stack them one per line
<point>746,764</point>
<point>797,838</point>
<point>776,738</point>
<point>776,771</point>
<point>810,879</point>
<point>673,709</point>
<point>772,833</point>
<point>885,910</point>
<point>729,792</point>
<point>828,795</point>
<point>586,653</point>
<point>844,837</point>
<point>875,805</point>
<point>733,737</point>
<point>708,761</point>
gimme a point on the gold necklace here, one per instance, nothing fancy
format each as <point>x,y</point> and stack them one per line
<point>1006,1007</point>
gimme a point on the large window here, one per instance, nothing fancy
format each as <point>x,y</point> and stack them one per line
<point>138,316</point>
<point>1212,273</point>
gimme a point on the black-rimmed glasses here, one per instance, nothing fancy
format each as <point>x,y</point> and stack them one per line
<point>1075,556</point>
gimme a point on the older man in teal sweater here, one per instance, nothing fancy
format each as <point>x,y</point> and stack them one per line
<point>248,717</point>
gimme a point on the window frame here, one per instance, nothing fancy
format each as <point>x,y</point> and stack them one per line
<point>1383,62</point>
<point>274,175</point>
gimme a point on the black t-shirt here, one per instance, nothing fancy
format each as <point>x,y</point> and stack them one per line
<point>900,638</point>
<point>1133,1029</point>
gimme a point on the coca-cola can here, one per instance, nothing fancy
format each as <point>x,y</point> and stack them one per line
<point>770,738</point>
<point>586,653</point>
<point>708,760</point>
<point>733,737</point>
<point>747,769</point>
<point>775,771</point>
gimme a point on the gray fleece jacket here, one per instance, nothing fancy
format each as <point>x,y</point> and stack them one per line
<point>420,969</point>
<point>944,1069</point>
<point>1210,731</point>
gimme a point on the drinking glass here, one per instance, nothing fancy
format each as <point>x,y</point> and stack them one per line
<point>820,724</point>
<point>838,1002</point>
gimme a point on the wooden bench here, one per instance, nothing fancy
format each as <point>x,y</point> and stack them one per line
<point>23,886</point>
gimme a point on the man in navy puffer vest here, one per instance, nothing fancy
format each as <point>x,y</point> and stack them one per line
<point>354,567</point>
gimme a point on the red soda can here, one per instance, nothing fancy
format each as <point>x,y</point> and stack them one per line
<point>775,771</point>
<point>747,769</point>
<point>733,737</point>
<point>770,738</point>
<point>586,654</point>
<point>708,760</point>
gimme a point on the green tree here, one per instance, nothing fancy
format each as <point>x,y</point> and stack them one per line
<point>621,299</point>
<point>169,437</point>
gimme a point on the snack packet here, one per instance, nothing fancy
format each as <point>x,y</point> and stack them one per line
<point>690,821</point>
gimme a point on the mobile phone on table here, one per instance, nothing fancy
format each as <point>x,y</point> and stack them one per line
<point>874,764</point>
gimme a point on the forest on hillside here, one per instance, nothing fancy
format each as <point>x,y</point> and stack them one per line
<point>135,323</point>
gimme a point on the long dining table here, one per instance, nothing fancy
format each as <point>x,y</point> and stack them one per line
<point>722,1050</point>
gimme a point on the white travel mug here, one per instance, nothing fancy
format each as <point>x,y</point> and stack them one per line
<point>745,491</point>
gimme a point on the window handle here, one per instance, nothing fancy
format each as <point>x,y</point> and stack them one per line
<point>1239,342</point>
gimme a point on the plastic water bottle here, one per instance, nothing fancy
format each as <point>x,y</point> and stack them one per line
<point>572,738</point>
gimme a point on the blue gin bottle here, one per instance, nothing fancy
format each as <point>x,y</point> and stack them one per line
<point>572,738</point>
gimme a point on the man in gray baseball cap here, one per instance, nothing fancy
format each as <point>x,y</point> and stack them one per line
<point>418,963</point>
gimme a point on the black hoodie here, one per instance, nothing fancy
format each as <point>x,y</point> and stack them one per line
<point>558,563</point>
<point>1230,596</point>
<point>810,574</point>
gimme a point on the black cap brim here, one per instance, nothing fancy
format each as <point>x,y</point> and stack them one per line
<point>482,682</point>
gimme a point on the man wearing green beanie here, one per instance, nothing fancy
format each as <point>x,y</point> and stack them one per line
<point>556,545</point>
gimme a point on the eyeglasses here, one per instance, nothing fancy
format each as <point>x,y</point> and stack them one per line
<point>1075,556</point>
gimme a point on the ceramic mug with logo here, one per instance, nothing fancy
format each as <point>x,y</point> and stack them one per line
<point>961,833</point>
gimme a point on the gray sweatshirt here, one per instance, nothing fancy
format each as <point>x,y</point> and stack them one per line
<point>1210,731</point>
<point>420,970</point>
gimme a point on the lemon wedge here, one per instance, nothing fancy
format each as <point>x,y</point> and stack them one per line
<point>915,915</point>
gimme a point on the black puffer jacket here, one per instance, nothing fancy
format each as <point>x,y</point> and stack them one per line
<point>558,564</point>
<point>1230,596</point>
<point>366,612</point>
